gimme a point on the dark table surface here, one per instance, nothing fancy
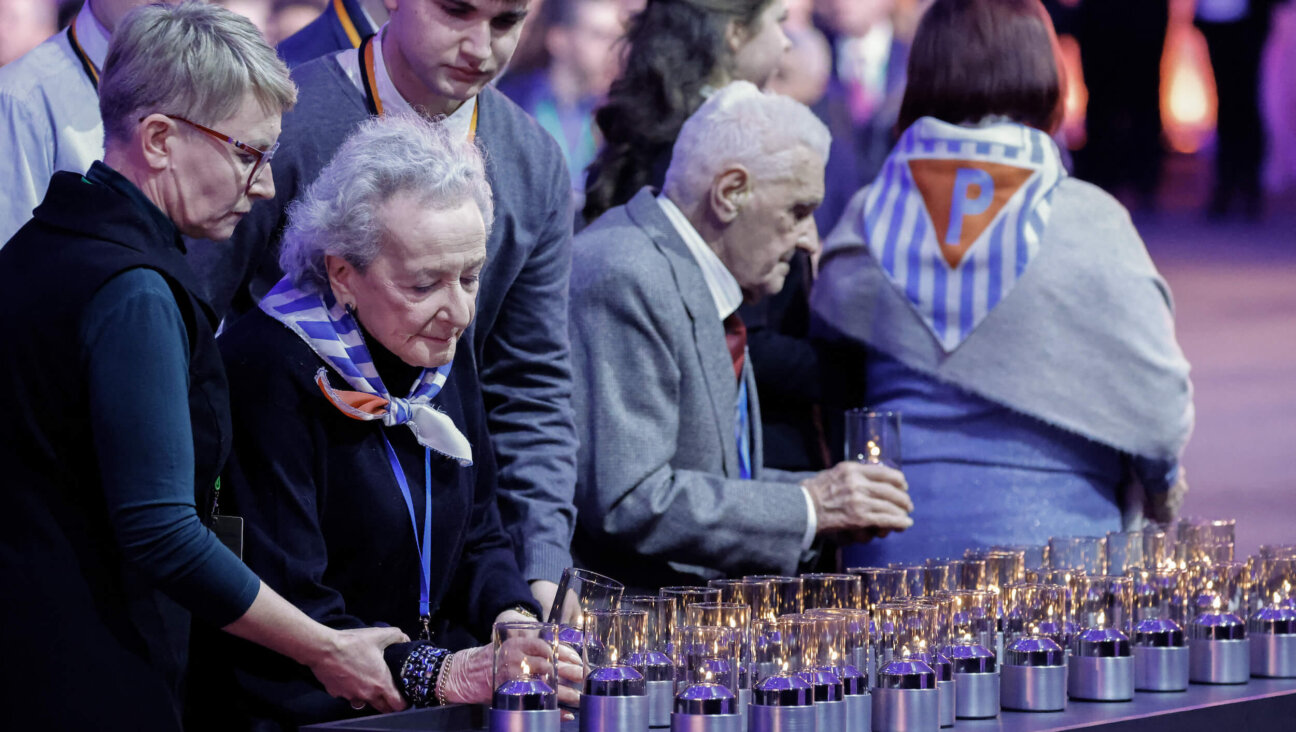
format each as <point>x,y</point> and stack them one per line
<point>1263,704</point>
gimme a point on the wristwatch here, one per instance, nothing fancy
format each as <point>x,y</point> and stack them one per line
<point>524,610</point>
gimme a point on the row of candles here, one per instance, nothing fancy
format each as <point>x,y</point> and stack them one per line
<point>913,647</point>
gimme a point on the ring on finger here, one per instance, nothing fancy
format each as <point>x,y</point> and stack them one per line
<point>357,705</point>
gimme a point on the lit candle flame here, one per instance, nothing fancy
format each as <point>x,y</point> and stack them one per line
<point>526,669</point>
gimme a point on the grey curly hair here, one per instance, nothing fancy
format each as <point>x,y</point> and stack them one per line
<point>384,157</point>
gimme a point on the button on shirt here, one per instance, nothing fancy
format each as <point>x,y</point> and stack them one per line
<point>50,113</point>
<point>392,102</point>
<point>727,296</point>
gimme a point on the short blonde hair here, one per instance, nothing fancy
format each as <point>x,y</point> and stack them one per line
<point>194,60</point>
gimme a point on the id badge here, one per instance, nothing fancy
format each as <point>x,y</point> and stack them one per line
<point>229,529</point>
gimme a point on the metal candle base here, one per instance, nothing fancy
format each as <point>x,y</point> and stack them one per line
<point>830,716</point>
<point>859,712</point>
<point>1107,679</point>
<point>977,695</point>
<point>906,710</point>
<point>1160,668</point>
<point>613,713</point>
<point>947,702</point>
<point>1033,688</point>
<point>534,720</point>
<point>661,699</point>
<point>1219,661</point>
<point>705,722</point>
<point>744,698</point>
<point>761,718</point>
<point>1273,655</point>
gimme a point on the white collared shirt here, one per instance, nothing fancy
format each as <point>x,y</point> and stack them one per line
<point>50,118</point>
<point>727,296</point>
<point>865,59</point>
<point>457,121</point>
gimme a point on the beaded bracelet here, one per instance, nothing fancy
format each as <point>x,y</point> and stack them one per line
<point>420,672</point>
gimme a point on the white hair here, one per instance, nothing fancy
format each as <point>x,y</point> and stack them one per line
<point>385,156</point>
<point>194,60</point>
<point>741,125</point>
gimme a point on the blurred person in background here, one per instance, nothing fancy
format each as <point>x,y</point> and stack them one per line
<point>23,25</point>
<point>117,417</point>
<point>579,36</point>
<point>677,52</point>
<point>1121,44</point>
<point>1011,313</point>
<point>257,11</point>
<point>287,17</point>
<point>342,25</point>
<point>1235,32</point>
<point>49,105</point>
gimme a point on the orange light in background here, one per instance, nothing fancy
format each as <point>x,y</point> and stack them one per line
<point>1077,95</point>
<point>1188,101</point>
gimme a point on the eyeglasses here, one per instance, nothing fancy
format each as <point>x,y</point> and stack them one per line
<point>263,157</point>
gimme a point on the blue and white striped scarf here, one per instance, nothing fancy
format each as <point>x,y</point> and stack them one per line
<point>331,332</point>
<point>956,215</point>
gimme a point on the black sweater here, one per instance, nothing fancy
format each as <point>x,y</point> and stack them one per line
<point>327,526</point>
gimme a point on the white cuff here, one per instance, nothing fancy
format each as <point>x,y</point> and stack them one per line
<point>812,521</point>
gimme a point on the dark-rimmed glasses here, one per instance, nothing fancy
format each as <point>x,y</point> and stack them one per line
<point>263,157</point>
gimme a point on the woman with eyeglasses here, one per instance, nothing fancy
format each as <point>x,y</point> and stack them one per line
<point>116,416</point>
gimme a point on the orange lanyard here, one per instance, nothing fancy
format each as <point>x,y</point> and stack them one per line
<point>370,80</point>
<point>348,25</point>
<point>86,63</point>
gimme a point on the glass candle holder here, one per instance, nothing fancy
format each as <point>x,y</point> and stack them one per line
<point>1124,551</point>
<point>579,592</point>
<point>1272,623</point>
<point>855,624</point>
<point>524,669</point>
<point>768,650</point>
<point>873,437</point>
<point>1216,587</point>
<point>1201,540</point>
<point>912,579</point>
<point>1157,553</point>
<point>1035,611</point>
<point>939,576</point>
<point>1159,594</point>
<point>612,639</point>
<point>787,593</point>
<point>1079,552</point>
<point>1034,556</point>
<point>1104,602</point>
<point>687,595</point>
<point>975,617</point>
<point>736,617</point>
<point>655,660</point>
<point>1033,662</point>
<point>877,585</point>
<point>906,629</point>
<point>971,573</point>
<point>755,594</point>
<point>832,590</point>
<point>709,654</point>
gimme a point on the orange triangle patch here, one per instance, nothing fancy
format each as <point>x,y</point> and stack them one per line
<point>963,197</point>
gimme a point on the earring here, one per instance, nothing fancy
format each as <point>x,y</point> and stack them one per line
<point>350,309</point>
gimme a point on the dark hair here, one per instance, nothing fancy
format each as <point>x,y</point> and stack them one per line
<point>973,59</point>
<point>673,48</point>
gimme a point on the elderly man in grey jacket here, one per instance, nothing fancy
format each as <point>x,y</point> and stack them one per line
<point>670,485</point>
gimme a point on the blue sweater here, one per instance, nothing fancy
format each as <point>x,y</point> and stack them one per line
<point>520,341</point>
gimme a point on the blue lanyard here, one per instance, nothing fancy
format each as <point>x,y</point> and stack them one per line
<point>425,546</point>
<point>742,432</point>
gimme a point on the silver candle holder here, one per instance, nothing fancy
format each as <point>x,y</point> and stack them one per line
<point>812,641</point>
<point>708,673</point>
<point>1160,644</point>
<point>615,695</point>
<point>1033,669</point>
<point>851,664</point>
<point>1218,650</point>
<point>907,698</point>
<point>653,661</point>
<point>782,702</point>
<point>524,678</point>
<point>1101,666</point>
<point>1272,626</point>
<point>975,666</point>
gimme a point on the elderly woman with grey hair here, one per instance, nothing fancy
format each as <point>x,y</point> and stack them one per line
<point>116,412</point>
<point>362,464</point>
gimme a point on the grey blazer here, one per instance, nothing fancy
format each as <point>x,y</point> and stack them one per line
<point>658,496</point>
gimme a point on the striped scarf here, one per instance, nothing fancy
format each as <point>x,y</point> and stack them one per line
<point>333,334</point>
<point>956,215</point>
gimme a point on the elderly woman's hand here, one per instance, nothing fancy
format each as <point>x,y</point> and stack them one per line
<point>468,679</point>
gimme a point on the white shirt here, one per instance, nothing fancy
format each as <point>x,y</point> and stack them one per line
<point>457,122</point>
<point>727,296</point>
<point>50,113</point>
<point>865,59</point>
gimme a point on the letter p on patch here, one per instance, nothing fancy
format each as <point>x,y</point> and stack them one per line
<point>967,182</point>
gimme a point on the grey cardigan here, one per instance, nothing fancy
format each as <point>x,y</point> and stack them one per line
<point>658,493</point>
